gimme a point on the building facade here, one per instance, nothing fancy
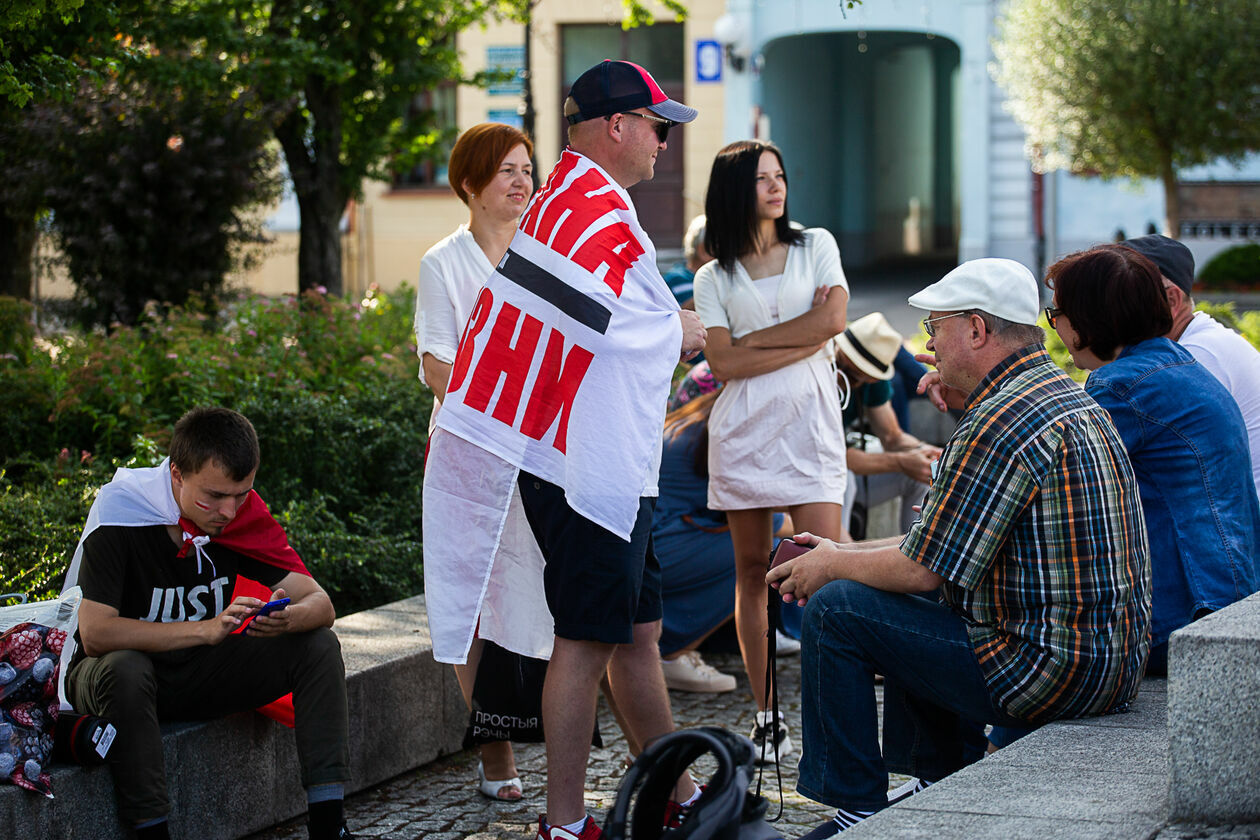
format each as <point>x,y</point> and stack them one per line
<point>894,134</point>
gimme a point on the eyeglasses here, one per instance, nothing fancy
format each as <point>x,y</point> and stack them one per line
<point>662,125</point>
<point>1052,312</point>
<point>929,325</point>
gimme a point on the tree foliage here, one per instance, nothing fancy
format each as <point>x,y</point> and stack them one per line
<point>150,192</point>
<point>341,77</point>
<point>29,59</point>
<point>1137,89</point>
<point>47,49</point>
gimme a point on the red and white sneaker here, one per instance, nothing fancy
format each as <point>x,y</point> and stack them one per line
<point>590,831</point>
<point>675,813</point>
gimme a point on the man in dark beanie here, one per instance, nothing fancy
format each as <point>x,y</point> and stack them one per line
<point>1225,353</point>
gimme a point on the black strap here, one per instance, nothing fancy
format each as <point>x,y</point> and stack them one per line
<point>772,691</point>
<point>864,353</point>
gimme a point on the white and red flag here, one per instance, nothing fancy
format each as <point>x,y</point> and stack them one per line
<point>563,371</point>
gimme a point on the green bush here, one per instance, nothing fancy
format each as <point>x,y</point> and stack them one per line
<point>331,387</point>
<point>1233,268</point>
<point>1247,323</point>
<point>151,191</point>
<point>1059,353</point>
<point>362,562</point>
<point>362,452</point>
<point>41,517</point>
<point>17,330</point>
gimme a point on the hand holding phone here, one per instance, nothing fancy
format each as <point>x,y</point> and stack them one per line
<point>266,609</point>
<point>787,550</point>
<point>790,550</point>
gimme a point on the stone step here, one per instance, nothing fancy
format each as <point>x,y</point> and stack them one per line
<point>1104,777</point>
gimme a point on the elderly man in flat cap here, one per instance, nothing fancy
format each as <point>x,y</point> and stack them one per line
<point>1032,534</point>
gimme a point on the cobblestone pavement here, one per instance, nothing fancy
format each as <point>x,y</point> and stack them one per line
<point>440,802</point>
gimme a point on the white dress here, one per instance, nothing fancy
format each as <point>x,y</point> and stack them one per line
<point>776,439</point>
<point>514,611</point>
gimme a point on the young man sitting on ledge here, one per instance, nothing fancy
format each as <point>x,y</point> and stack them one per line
<point>158,563</point>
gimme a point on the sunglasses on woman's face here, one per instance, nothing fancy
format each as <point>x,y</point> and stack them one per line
<point>1053,312</point>
<point>662,125</point>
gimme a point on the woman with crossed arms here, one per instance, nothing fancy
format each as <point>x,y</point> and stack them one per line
<point>772,300</point>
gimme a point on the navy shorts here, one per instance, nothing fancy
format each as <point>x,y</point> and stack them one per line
<point>598,585</point>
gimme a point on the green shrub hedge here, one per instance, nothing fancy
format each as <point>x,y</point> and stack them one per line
<point>331,387</point>
<point>1234,268</point>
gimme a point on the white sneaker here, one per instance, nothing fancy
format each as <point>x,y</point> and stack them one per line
<point>691,673</point>
<point>785,645</point>
<point>766,736</point>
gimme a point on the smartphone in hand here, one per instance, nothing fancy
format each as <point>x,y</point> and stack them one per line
<point>786,550</point>
<point>266,609</point>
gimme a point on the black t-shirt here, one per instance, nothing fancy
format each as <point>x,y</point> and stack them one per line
<point>137,571</point>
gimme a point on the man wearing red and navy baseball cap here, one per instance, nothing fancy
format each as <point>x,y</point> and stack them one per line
<point>619,120</point>
<point>586,455</point>
<point>636,119</point>
<point>613,87</point>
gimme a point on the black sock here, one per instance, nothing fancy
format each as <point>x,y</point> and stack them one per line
<point>157,831</point>
<point>324,819</point>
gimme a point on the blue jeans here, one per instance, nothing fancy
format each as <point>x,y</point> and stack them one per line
<point>935,697</point>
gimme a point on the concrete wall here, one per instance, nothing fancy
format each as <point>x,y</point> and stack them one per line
<point>1214,717</point>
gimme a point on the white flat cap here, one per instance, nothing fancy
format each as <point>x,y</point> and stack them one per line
<point>1000,287</point>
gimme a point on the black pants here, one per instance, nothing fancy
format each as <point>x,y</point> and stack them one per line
<point>135,691</point>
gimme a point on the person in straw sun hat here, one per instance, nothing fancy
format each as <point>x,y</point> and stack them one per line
<point>885,461</point>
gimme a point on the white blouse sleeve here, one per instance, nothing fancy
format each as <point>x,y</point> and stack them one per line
<point>705,292</point>
<point>826,259</point>
<point>437,332</point>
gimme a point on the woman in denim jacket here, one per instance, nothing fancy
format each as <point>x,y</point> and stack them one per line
<point>1184,433</point>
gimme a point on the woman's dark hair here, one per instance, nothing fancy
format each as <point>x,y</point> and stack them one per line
<point>730,205</point>
<point>1113,296</point>
<point>691,413</point>
<point>211,433</point>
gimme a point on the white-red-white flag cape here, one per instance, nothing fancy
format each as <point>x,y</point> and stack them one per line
<point>563,370</point>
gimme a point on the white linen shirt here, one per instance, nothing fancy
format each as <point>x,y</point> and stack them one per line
<point>452,272</point>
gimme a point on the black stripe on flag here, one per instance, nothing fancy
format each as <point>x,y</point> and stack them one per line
<point>561,295</point>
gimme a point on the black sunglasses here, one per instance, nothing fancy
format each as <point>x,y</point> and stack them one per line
<point>662,125</point>
<point>1052,312</point>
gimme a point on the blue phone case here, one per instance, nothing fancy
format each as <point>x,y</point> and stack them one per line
<point>267,609</point>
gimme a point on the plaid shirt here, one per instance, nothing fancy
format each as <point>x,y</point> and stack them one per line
<point>1035,523</point>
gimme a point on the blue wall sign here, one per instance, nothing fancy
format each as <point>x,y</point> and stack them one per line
<point>708,61</point>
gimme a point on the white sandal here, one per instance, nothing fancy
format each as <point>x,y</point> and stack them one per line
<point>493,789</point>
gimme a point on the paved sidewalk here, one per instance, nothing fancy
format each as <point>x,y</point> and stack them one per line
<point>439,801</point>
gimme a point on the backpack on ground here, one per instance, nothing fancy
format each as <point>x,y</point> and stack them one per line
<point>726,809</point>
